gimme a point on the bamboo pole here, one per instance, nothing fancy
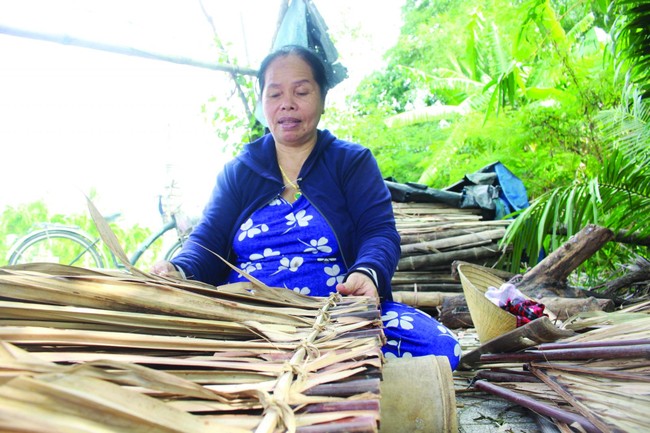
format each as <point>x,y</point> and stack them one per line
<point>428,287</point>
<point>479,237</point>
<point>421,300</point>
<point>451,230</point>
<point>443,258</point>
<point>586,344</point>
<point>65,39</point>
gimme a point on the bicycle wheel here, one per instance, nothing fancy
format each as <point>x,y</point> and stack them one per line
<point>175,249</point>
<point>57,246</point>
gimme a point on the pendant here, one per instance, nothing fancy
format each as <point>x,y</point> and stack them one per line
<point>297,195</point>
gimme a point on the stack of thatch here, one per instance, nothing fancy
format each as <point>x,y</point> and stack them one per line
<point>434,235</point>
<point>598,381</point>
<point>87,351</point>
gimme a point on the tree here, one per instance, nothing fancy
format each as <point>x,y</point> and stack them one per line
<point>496,81</point>
<point>619,196</point>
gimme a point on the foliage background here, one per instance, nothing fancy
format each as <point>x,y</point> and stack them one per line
<point>529,76</point>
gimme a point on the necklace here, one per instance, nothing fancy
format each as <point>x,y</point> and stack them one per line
<point>298,193</point>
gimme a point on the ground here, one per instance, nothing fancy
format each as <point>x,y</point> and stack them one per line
<point>485,413</point>
<point>480,412</point>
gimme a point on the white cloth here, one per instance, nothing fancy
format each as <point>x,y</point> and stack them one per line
<point>500,296</point>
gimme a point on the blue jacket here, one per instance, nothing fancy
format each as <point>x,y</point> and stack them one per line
<point>340,179</point>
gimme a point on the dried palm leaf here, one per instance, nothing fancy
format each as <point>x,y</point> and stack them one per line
<point>101,356</point>
<point>74,404</point>
<point>611,404</point>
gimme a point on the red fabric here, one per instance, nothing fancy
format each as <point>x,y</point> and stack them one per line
<point>525,311</point>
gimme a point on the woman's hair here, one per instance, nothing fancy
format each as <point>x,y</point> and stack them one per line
<point>309,56</point>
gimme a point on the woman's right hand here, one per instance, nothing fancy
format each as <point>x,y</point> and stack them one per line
<point>164,268</point>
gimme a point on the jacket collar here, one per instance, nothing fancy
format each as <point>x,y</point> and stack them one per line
<point>260,155</point>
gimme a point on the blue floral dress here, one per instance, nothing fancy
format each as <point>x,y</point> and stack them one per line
<point>291,245</point>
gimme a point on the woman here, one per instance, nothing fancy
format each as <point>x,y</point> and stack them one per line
<point>301,209</point>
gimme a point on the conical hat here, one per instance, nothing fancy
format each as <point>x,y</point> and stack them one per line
<point>489,320</point>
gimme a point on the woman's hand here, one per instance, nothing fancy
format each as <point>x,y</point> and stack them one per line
<point>358,284</point>
<point>166,269</point>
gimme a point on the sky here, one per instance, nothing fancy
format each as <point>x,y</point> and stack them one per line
<point>75,120</point>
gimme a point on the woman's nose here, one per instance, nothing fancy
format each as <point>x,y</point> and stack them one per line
<point>288,103</point>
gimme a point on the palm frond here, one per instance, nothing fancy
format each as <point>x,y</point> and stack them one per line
<point>625,191</point>
<point>627,127</point>
<point>558,213</point>
<point>631,33</point>
<point>618,200</point>
<point>581,27</point>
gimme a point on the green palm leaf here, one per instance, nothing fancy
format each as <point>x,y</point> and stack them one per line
<point>631,32</point>
<point>619,199</point>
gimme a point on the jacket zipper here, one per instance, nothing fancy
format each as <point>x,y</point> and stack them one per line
<point>345,262</point>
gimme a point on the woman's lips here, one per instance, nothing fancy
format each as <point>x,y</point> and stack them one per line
<point>288,122</point>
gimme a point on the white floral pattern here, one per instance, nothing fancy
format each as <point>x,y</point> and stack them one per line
<point>393,319</point>
<point>290,265</point>
<point>249,229</point>
<point>249,268</point>
<point>293,247</point>
<point>335,275</point>
<point>397,345</point>
<point>268,252</point>
<point>318,246</point>
<point>411,332</point>
<point>300,219</point>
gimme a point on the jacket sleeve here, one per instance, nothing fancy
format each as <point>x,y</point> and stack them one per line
<point>198,259</point>
<point>375,235</point>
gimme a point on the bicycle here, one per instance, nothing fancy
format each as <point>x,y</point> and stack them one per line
<point>71,245</point>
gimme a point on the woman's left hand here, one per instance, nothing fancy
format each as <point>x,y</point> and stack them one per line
<point>358,284</point>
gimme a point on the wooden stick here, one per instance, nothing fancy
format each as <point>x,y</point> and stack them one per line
<point>541,330</point>
<point>506,376</point>
<point>430,288</point>
<point>537,406</point>
<point>584,344</point>
<point>637,351</point>
<point>447,232</point>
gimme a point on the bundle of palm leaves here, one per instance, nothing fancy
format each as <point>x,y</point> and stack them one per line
<point>82,350</point>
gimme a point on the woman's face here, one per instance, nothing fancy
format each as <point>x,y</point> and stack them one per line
<point>292,101</point>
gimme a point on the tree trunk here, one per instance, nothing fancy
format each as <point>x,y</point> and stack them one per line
<point>548,277</point>
<point>454,313</point>
<point>564,308</point>
<point>640,274</point>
